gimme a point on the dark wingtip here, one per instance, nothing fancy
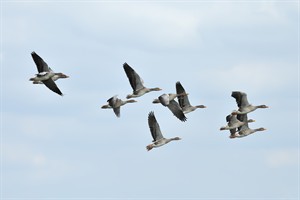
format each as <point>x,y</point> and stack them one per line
<point>183,119</point>
<point>151,113</point>
<point>234,94</point>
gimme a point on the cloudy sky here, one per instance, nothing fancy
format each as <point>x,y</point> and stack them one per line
<point>67,147</point>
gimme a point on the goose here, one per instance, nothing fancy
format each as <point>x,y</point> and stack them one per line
<point>158,138</point>
<point>244,130</point>
<point>116,103</point>
<point>184,100</point>
<point>45,74</point>
<point>168,101</point>
<point>233,123</point>
<point>136,83</point>
<point>54,78</point>
<point>243,104</point>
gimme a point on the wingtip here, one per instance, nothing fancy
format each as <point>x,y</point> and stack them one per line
<point>151,113</point>
<point>184,119</point>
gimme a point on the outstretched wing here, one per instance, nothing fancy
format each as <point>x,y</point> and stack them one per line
<point>183,100</point>
<point>154,127</point>
<point>228,118</point>
<point>134,79</point>
<point>117,111</point>
<point>112,101</point>
<point>176,110</point>
<point>241,98</point>
<point>52,86</point>
<point>40,63</point>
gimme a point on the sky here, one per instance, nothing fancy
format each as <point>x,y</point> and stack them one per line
<point>55,147</point>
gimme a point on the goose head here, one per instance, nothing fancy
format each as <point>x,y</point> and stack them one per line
<point>251,120</point>
<point>61,75</point>
<point>105,106</point>
<point>200,106</point>
<point>131,101</point>
<point>262,106</point>
<point>155,89</point>
<point>156,101</point>
<point>176,138</point>
<point>222,128</point>
<point>260,129</point>
<point>149,147</point>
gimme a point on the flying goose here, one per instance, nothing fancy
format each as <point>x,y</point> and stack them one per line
<point>233,123</point>
<point>168,101</point>
<point>54,78</point>
<point>116,103</point>
<point>244,130</point>
<point>45,74</point>
<point>184,100</point>
<point>136,83</point>
<point>158,138</point>
<point>243,104</point>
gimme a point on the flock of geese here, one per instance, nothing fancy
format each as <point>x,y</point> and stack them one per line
<point>237,121</point>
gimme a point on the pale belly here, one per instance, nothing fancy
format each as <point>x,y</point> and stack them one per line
<point>42,76</point>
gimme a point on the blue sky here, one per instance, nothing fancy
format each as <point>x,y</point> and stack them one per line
<point>68,148</point>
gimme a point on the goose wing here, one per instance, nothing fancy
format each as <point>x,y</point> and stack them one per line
<point>154,127</point>
<point>52,86</point>
<point>112,101</point>
<point>232,131</point>
<point>176,110</point>
<point>117,111</point>
<point>134,79</point>
<point>183,100</point>
<point>243,118</point>
<point>241,98</point>
<point>231,119</point>
<point>40,63</point>
<point>228,118</point>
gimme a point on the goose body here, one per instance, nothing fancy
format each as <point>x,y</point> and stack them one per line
<point>158,138</point>
<point>136,83</point>
<point>55,77</point>
<point>183,100</point>
<point>168,101</point>
<point>168,97</point>
<point>244,130</point>
<point>116,103</point>
<point>233,123</point>
<point>243,104</point>
<point>45,74</point>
